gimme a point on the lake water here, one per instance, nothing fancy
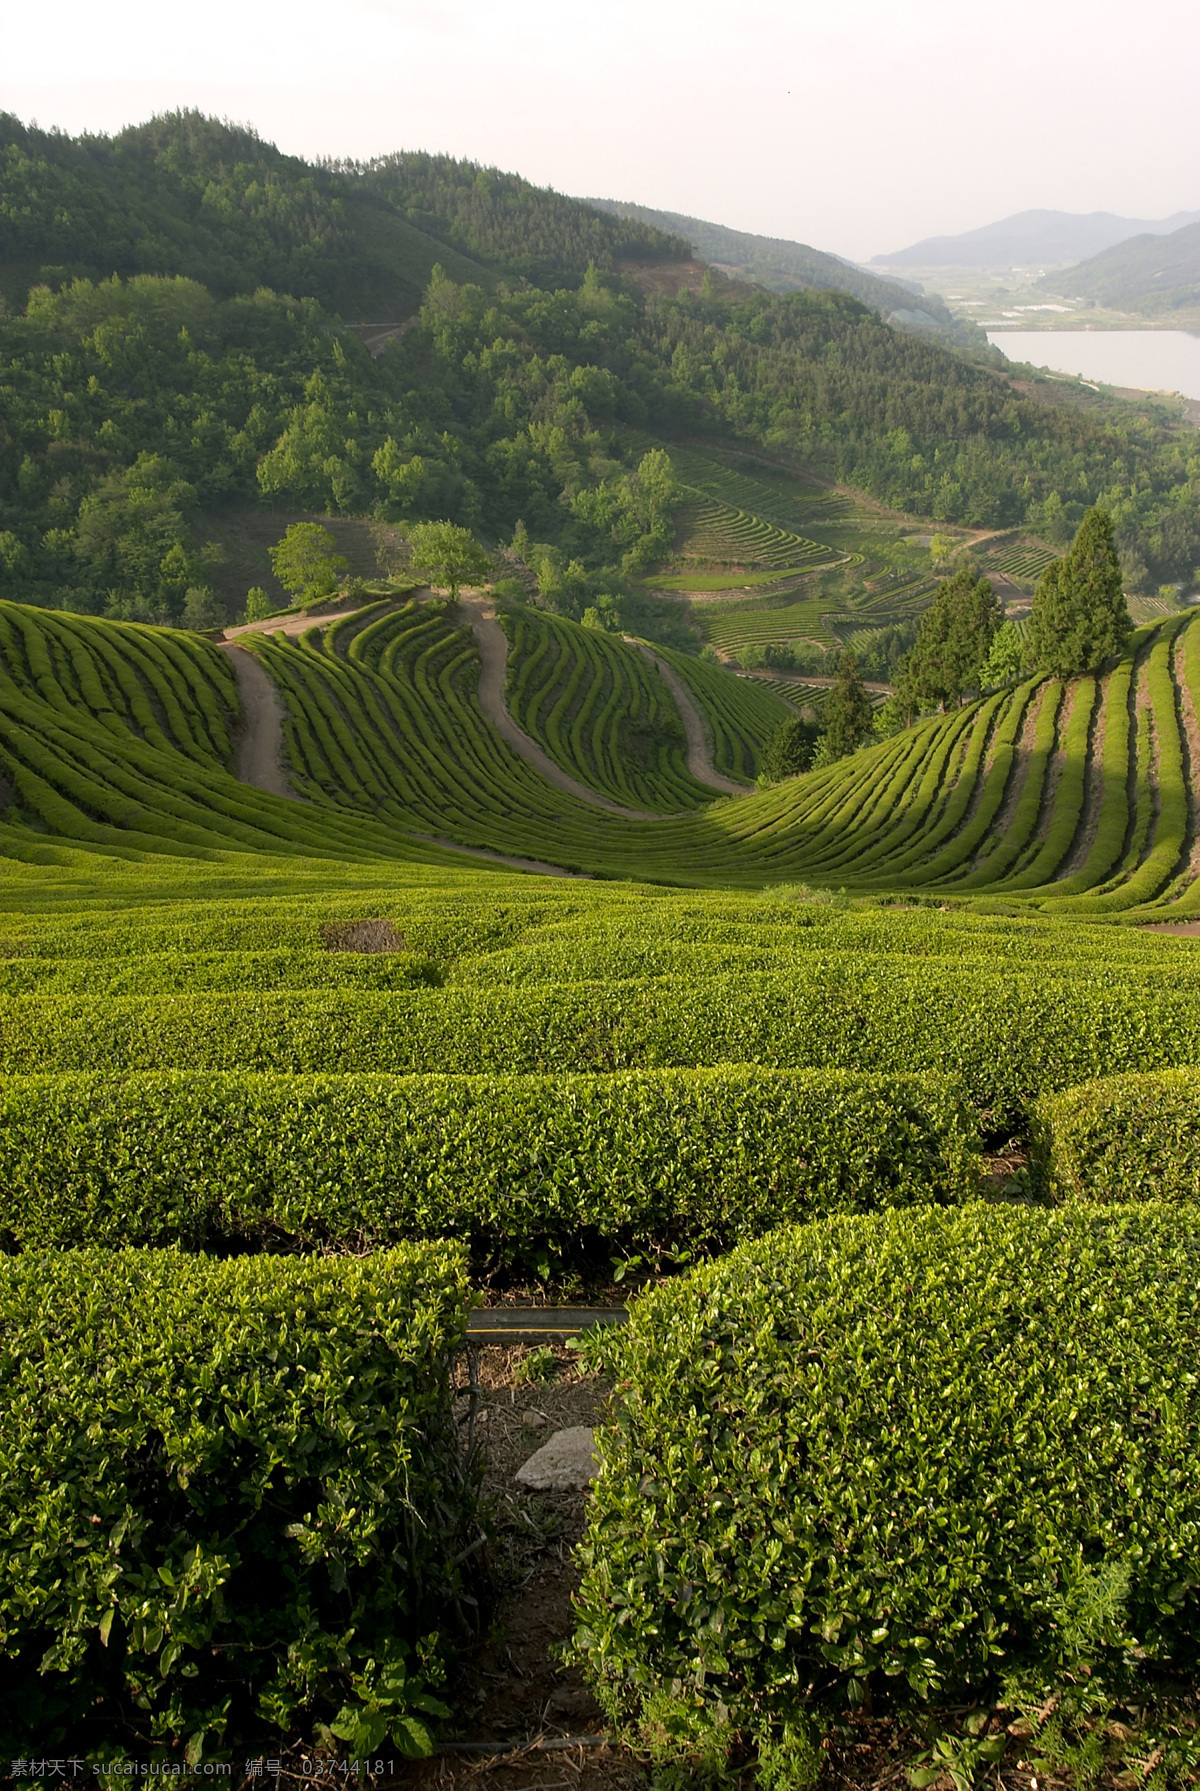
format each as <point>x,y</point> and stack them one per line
<point>1150,360</point>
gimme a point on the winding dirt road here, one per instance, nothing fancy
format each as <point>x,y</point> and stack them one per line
<point>259,760</point>
<point>490,638</point>
<point>260,756</point>
<point>699,752</point>
<point>293,625</point>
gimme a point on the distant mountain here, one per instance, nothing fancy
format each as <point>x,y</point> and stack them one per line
<point>783,266</point>
<point>1146,273</point>
<point>1033,239</point>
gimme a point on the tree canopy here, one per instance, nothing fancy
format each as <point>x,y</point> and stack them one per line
<point>1079,616</point>
<point>790,749</point>
<point>847,714</point>
<point>306,562</point>
<point>953,641</point>
<point>447,556</point>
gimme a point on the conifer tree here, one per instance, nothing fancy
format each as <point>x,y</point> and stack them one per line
<point>789,750</point>
<point>847,714</point>
<point>1079,617</point>
<point>953,643</point>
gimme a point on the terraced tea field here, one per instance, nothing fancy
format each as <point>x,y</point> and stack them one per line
<point>721,537</point>
<point>826,563</point>
<point>604,715</point>
<point>1024,565</point>
<point>734,627</point>
<point>118,739</point>
<point>285,1084</point>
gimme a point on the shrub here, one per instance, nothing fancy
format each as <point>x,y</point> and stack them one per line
<point>1121,1138</point>
<point>513,1164</point>
<point>1009,1036</point>
<point>226,1488</point>
<point>908,1447</point>
<point>240,972</point>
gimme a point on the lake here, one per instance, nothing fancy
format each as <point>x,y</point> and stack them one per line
<point>1150,360</point>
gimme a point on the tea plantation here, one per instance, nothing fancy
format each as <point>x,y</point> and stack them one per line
<point>283,1079</point>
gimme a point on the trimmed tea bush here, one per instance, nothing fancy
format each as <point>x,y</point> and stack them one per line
<point>1122,1138</point>
<point>1009,1037</point>
<point>225,1487</point>
<point>510,1163</point>
<point>910,1446</point>
<point>186,973</point>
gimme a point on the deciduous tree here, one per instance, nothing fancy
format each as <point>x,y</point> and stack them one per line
<point>447,555</point>
<point>258,604</point>
<point>306,561</point>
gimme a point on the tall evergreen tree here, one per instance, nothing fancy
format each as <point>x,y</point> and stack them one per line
<point>953,643</point>
<point>1079,617</point>
<point>847,714</point>
<point>789,750</point>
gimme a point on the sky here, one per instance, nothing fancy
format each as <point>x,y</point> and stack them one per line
<point>857,126</point>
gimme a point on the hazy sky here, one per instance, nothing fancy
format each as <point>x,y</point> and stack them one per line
<point>855,125</point>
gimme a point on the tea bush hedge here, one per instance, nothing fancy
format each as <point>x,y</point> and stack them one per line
<point>512,1164</point>
<point>1121,1138</point>
<point>181,972</point>
<point>1008,1036</point>
<point>224,1487</point>
<point>912,1446</point>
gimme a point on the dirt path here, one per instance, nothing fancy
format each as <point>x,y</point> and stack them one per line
<point>294,624</point>
<point>259,760</point>
<point>477,615</point>
<point>699,753</point>
<point>819,679</point>
<point>518,864</point>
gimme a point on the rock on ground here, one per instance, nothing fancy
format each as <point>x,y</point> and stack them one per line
<point>566,1463</point>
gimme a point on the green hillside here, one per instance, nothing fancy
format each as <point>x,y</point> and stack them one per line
<point>1150,273</point>
<point>191,347</point>
<point>783,266</point>
<point>187,195</point>
<point>119,739</point>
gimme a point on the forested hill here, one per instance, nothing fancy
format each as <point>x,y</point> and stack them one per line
<point>189,195</point>
<point>1146,273</point>
<point>783,266</point>
<point>529,231</point>
<point>225,375</point>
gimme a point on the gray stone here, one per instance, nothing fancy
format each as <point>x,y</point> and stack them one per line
<point>534,1420</point>
<point>565,1464</point>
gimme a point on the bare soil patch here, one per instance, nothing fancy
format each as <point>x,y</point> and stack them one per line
<point>515,1689</point>
<point>375,935</point>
